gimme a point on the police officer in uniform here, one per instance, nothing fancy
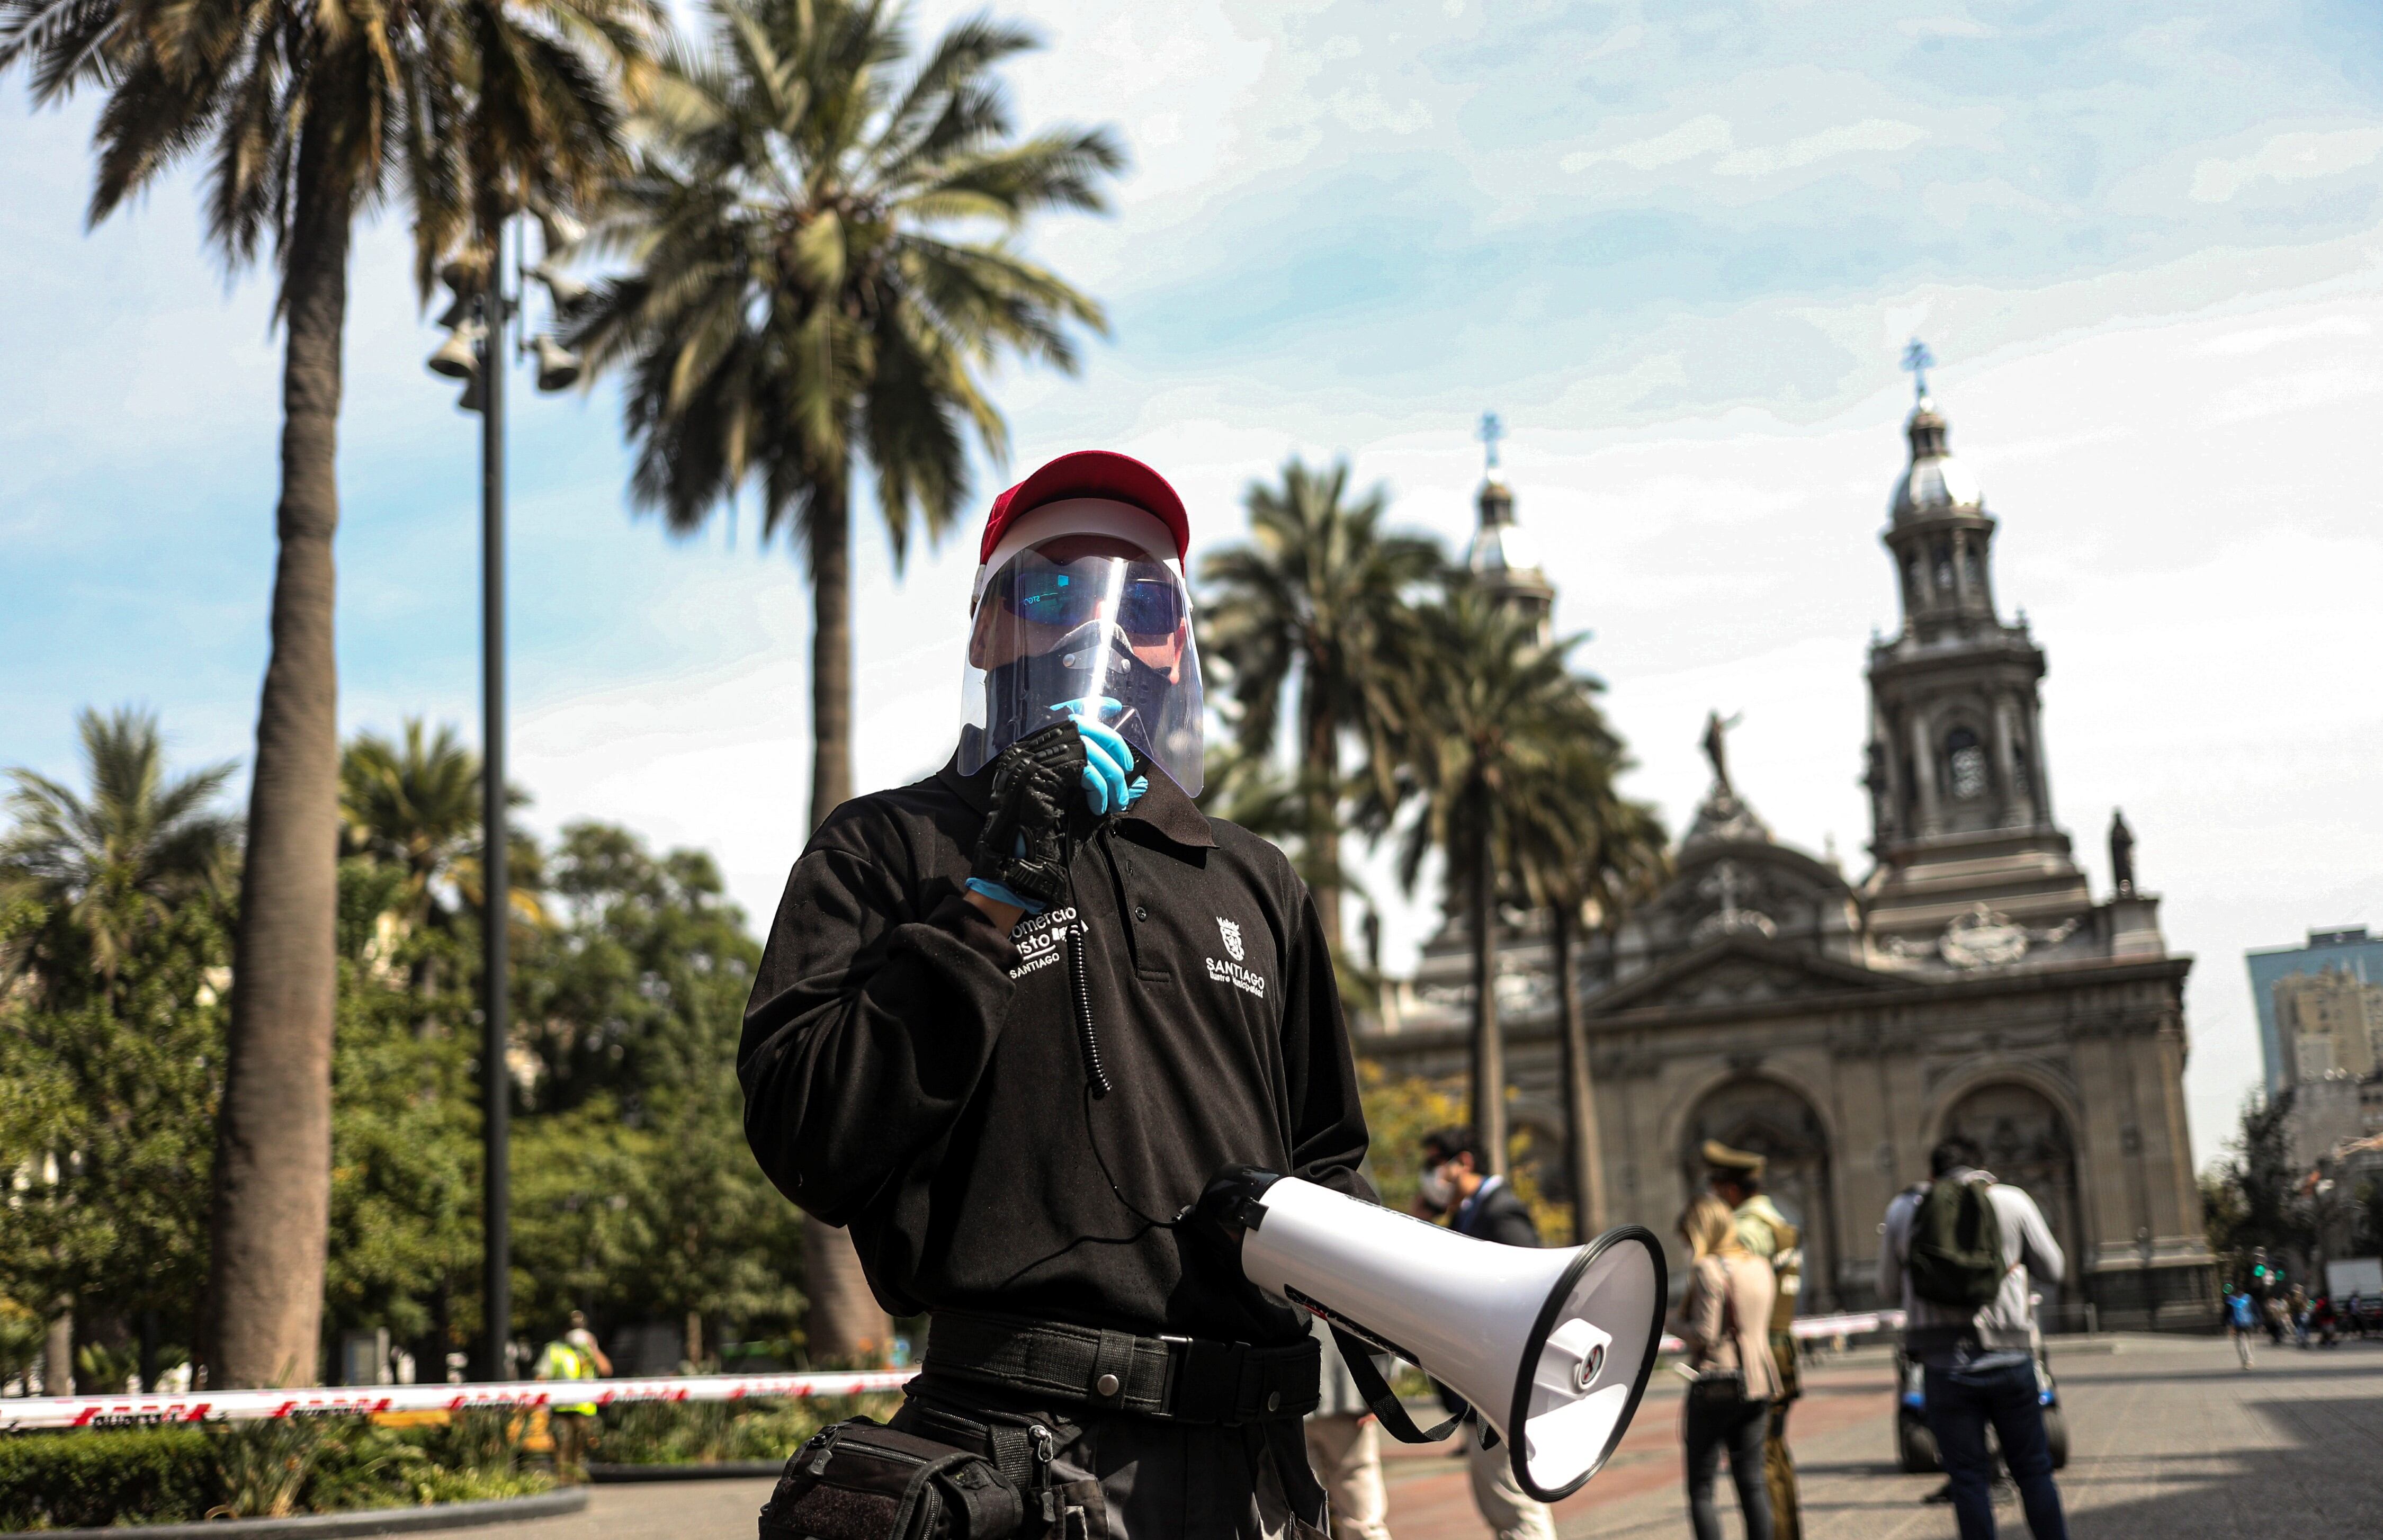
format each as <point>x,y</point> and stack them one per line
<point>1012,1018</point>
<point>1735,1176</point>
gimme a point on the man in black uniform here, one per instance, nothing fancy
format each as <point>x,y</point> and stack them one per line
<point>1011,1019</point>
<point>1485,1207</point>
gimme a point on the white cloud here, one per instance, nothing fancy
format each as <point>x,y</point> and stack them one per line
<point>2295,392</point>
<point>1366,110</point>
<point>1871,133</point>
<point>2258,340</point>
<point>2287,157</point>
<point>1942,26</point>
<point>1697,136</point>
<point>1622,41</point>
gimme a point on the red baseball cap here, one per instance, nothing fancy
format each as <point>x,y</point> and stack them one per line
<point>1090,474</point>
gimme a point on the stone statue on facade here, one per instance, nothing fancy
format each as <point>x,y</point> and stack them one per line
<point>2122,854</point>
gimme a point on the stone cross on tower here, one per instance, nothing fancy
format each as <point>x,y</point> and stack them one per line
<point>1918,360</point>
<point>1489,433</point>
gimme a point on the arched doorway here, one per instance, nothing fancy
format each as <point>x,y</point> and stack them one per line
<point>1768,1119</point>
<point>2028,1144</point>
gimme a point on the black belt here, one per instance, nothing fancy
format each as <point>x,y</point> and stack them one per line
<point>1181,1378</point>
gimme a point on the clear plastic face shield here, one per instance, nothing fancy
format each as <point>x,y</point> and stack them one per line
<point>1084,625</point>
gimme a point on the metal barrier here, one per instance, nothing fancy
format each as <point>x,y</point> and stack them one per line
<point>92,1411</point>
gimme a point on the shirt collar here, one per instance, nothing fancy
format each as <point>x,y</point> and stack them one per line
<point>1164,806</point>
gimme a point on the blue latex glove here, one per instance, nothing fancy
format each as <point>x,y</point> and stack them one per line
<point>1108,760</point>
<point>1001,894</point>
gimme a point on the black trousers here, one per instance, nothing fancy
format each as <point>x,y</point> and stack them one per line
<point>1116,1476</point>
<point>1737,1429</point>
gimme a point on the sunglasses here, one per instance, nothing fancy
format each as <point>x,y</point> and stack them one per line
<point>1147,605</point>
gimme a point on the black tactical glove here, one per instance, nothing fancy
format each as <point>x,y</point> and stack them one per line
<point>1020,848</point>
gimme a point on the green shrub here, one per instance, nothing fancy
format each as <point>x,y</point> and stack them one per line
<point>86,1479</point>
<point>70,1479</point>
<point>710,1433</point>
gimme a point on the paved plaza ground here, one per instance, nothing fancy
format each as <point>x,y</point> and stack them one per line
<point>2171,1441</point>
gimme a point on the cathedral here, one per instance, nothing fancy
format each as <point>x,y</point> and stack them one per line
<point>1971,981</point>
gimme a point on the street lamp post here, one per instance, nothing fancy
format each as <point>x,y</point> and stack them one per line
<point>480,325</point>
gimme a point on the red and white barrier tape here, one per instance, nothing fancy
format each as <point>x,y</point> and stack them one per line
<point>85,1411</point>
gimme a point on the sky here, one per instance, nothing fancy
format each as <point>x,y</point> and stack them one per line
<point>1678,248</point>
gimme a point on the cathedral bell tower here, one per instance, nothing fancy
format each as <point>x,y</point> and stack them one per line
<point>1960,803</point>
<point>1503,557</point>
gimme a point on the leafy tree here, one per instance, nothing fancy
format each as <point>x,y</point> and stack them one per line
<point>309,115</point>
<point>809,294</point>
<point>1484,709</point>
<point>2258,1187</point>
<point>404,1245</point>
<point>108,1093</point>
<point>1318,595</point>
<point>105,868</point>
<point>636,1198</point>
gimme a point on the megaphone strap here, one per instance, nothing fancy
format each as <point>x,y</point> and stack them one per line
<point>1380,1400</point>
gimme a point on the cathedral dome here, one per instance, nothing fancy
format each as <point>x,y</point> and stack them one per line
<point>1935,481</point>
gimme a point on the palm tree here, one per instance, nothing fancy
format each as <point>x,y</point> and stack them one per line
<point>1576,847</point>
<point>1485,709</point>
<point>810,293</point>
<point>107,867</point>
<point>414,804</point>
<point>309,115</point>
<point>1320,594</point>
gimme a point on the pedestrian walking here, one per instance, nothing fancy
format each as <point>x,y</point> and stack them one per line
<point>1967,1250</point>
<point>2243,1316</point>
<point>1344,1445</point>
<point>2279,1319</point>
<point>1484,1206</point>
<point>1735,1177</point>
<point>1725,1323</point>
<point>572,1355</point>
<point>2321,1319</point>
<point>2297,1311</point>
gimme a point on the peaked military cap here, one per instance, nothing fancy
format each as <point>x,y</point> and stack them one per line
<point>1720,1157</point>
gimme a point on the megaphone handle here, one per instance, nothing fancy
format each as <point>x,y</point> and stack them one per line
<point>1380,1397</point>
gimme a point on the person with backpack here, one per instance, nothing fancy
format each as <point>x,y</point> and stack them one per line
<point>2243,1316</point>
<point>1968,1249</point>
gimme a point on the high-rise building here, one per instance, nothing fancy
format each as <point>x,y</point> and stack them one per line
<point>2329,1022</point>
<point>2347,952</point>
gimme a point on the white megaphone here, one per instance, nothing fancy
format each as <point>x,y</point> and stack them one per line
<point>1552,1347</point>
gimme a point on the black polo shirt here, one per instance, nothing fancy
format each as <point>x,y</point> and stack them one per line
<point>915,1072</point>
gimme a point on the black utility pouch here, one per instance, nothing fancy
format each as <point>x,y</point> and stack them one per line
<point>861,1481</point>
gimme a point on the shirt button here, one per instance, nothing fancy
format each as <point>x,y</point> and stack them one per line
<point>1141,911</point>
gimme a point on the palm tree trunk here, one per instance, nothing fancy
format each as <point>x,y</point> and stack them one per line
<point>831,554</point>
<point>1321,787</point>
<point>844,1324</point>
<point>1585,1161</point>
<point>271,1211</point>
<point>1489,1047</point>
